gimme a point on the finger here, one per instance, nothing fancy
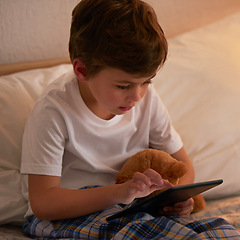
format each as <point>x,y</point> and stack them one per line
<point>157,179</point>
<point>181,213</point>
<point>154,177</point>
<point>189,202</point>
<point>167,184</point>
<point>178,214</point>
<point>180,209</point>
<point>185,212</point>
<point>141,179</point>
<point>133,187</point>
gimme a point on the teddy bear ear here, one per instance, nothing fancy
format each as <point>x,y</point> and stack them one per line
<point>177,170</point>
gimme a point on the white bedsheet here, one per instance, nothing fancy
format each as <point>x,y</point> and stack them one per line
<point>227,208</point>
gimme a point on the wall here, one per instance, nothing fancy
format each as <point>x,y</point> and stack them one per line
<point>34,29</point>
<point>177,16</point>
<point>38,29</point>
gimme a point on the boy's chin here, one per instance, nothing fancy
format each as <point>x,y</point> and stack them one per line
<point>119,111</point>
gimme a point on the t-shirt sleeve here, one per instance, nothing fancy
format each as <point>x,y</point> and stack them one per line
<point>162,133</point>
<point>43,141</point>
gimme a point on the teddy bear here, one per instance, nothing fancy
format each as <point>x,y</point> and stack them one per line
<point>163,163</point>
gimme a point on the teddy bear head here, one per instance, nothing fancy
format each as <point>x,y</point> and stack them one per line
<point>160,161</point>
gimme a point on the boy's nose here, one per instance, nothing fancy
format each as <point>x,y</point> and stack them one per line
<point>136,94</point>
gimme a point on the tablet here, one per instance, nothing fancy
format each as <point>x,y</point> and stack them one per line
<point>167,198</point>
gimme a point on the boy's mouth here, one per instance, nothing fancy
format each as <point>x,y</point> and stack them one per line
<point>125,109</point>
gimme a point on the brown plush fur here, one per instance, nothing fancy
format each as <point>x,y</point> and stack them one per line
<point>163,163</point>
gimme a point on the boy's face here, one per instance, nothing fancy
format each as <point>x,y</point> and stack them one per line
<point>113,92</point>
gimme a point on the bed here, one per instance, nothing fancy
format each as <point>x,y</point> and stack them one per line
<point>200,85</point>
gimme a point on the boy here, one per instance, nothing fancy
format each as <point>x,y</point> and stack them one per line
<point>85,126</point>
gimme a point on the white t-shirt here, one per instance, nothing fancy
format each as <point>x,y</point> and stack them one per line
<point>64,138</point>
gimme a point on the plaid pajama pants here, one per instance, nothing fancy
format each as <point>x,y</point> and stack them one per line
<point>134,226</point>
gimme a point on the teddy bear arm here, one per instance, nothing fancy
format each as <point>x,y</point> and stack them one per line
<point>199,203</point>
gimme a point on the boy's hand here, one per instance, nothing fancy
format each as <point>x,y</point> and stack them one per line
<point>182,209</point>
<point>142,184</point>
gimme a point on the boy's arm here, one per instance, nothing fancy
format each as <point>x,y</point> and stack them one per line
<point>188,178</point>
<point>50,202</point>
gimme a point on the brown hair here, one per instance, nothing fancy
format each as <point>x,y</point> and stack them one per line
<point>122,34</point>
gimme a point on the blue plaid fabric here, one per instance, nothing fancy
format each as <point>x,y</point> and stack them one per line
<point>134,226</point>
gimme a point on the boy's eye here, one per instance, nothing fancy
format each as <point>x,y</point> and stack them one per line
<point>123,87</point>
<point>148,82</point>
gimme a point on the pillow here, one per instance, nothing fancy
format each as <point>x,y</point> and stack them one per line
<point>200,85</point>
<point>18,94</point>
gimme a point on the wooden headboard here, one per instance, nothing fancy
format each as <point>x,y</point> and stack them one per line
<point>17,67</point>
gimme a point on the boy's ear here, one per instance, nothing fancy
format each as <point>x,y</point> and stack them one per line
<point>79,69</point>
